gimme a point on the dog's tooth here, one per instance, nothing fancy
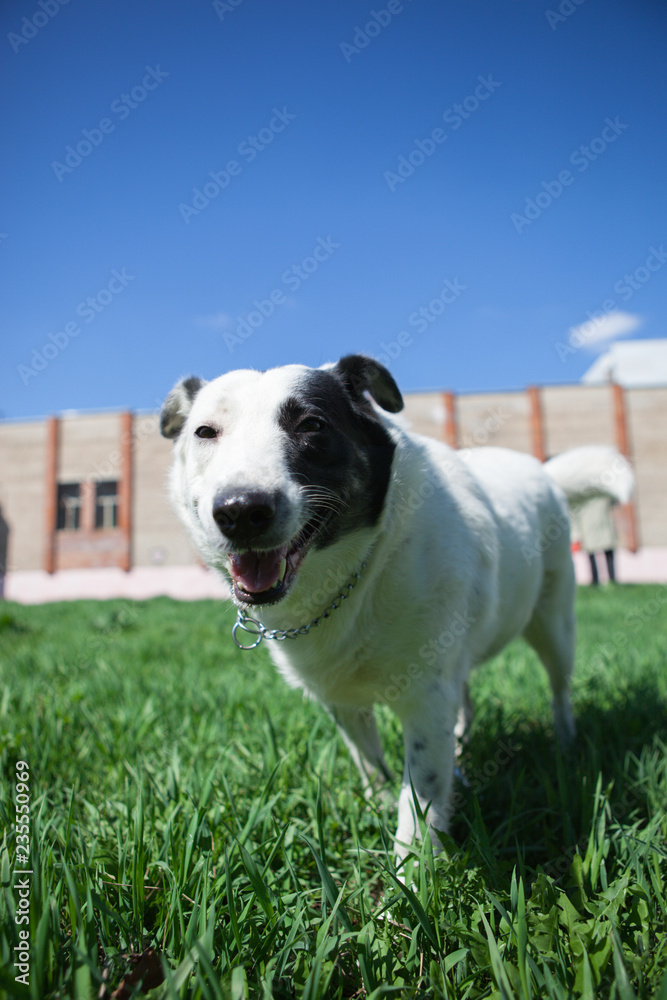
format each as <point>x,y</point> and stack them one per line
<point>282,569</point>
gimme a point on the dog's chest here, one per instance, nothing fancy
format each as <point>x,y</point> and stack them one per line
<point>348,664</point>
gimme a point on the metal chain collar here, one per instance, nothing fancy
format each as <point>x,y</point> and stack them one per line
<point>253,627</point>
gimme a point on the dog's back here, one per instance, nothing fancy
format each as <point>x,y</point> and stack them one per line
<point>489,530</point>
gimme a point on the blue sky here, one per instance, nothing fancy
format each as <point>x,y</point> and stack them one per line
<point>454,187</point>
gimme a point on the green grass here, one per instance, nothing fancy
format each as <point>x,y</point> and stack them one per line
<point>184,799</point>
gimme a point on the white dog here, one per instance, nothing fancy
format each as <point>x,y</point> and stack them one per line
<point>380,566</point>
<point>590,471</point>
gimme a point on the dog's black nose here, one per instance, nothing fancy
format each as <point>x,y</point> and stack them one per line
<point>245,515</point>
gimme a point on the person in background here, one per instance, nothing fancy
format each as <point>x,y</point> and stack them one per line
<point>594,529</point>
<point>594,478</point>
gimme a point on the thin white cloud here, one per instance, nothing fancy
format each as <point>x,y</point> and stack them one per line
<point>216,321</point>
<point>608,326</point>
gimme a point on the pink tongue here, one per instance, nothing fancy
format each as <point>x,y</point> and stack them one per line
<point>256,571</point>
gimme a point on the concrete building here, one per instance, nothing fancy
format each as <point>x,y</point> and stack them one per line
<point>631,363</point>
<point>84,509</point>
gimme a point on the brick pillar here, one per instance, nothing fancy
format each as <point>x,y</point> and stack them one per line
<point>628,510</point>
<point>536,422</point>
<point>51,493</point>
<point>88,507</point>
<point>125,487</point>
<point>450,429</point>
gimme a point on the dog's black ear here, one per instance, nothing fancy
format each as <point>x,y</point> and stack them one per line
<point>177,405</point>
<point>361,374</point>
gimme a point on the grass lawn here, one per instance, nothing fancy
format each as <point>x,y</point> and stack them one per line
<point>184,804</point>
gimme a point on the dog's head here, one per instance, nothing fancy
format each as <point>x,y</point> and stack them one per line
<point>271,465</point>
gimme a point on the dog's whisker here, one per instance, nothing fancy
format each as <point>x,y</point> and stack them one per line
<point>316,505</point>
<point>320,497</point>
<point>321,491</point>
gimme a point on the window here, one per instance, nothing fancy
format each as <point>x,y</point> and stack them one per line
<point>106,505</point>
<point>69,507</point>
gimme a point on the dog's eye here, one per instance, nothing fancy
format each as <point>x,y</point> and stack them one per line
<point>310,425</point>
<point>205,432</point>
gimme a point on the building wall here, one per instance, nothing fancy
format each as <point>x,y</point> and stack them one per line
<point>499,419</point>
<point>89,451</point>
<point>568,416</point>
<point>89,447</point>
<point>158,538</point>
<point>424,413</point>
<point>647,420</point>
<point>574,415</point>
<point>22,493</point>
<point>96,447</point>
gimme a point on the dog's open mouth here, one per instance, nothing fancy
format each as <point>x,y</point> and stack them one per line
<point>264,576</point>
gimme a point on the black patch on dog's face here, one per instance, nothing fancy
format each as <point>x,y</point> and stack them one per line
<point>336,442</point>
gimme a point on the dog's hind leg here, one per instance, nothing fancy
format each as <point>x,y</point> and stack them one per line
<point>551,633</point>
<point>358,728</point>
<point>463,721</point>
<point>462,733</point>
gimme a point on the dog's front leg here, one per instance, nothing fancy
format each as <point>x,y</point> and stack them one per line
<point>358,728</point>
<point>428,735</point>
